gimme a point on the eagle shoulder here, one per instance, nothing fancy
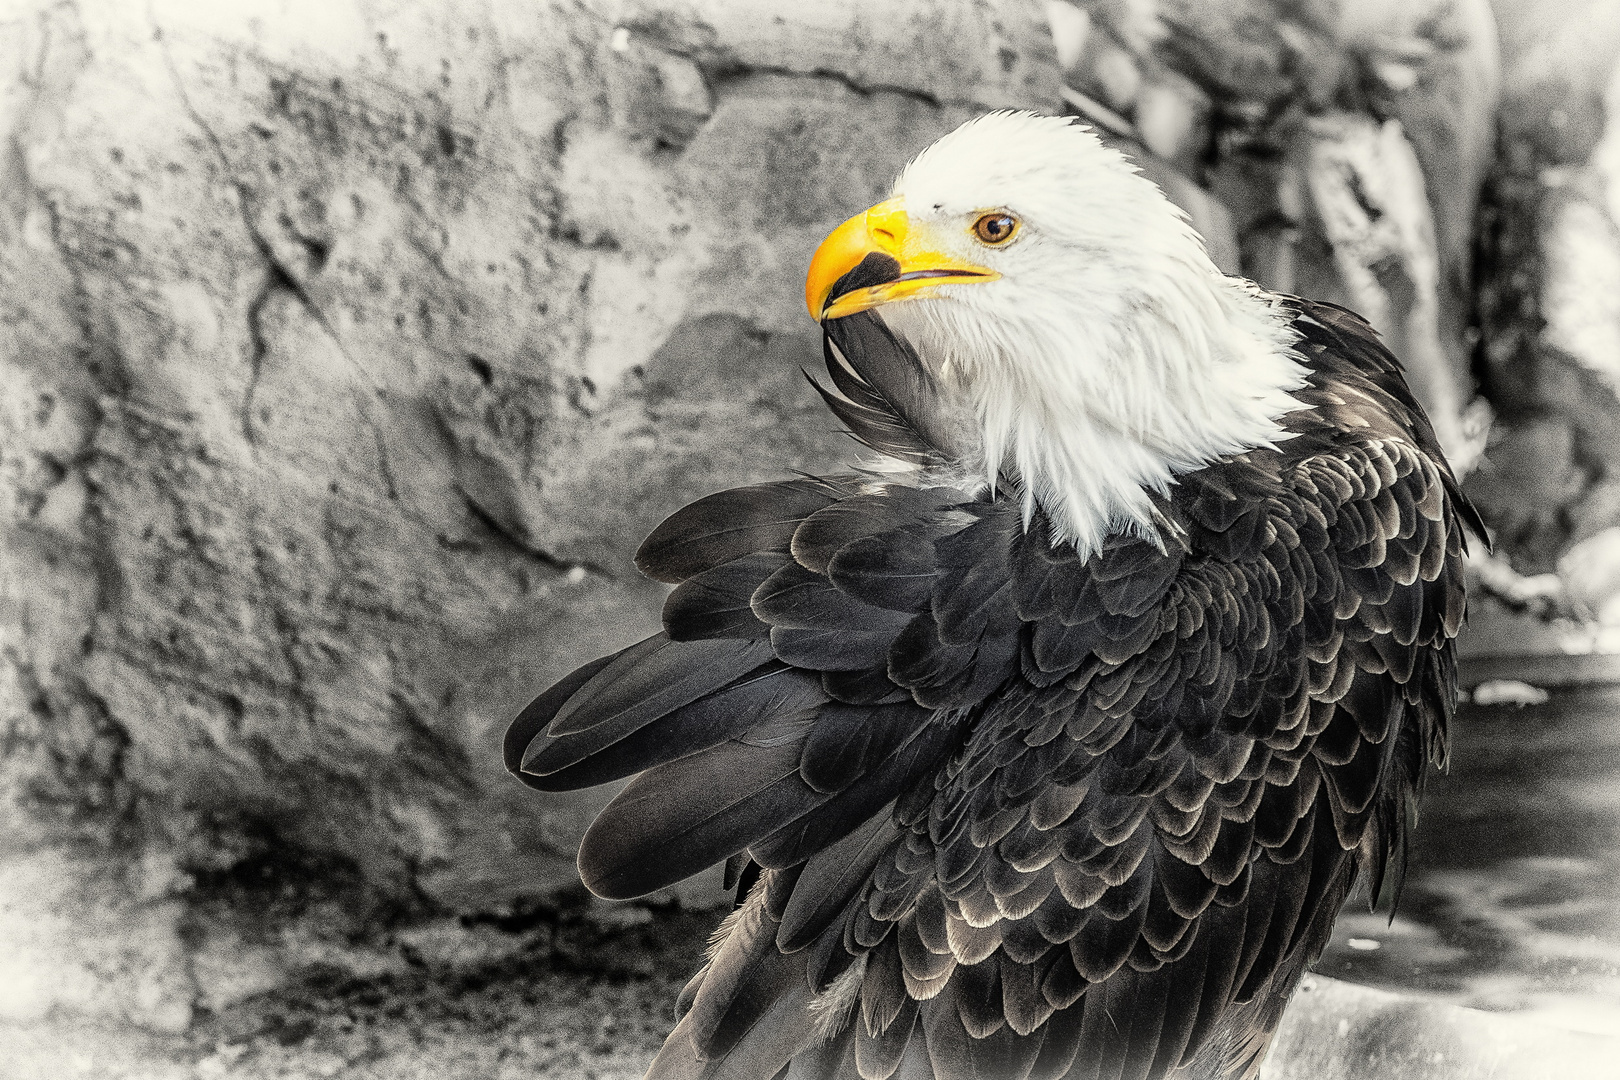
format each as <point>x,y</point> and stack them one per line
<point>999,791</point>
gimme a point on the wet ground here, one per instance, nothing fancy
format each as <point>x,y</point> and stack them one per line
<point>1512,905</point>
<point>573,991</point>
<point>1513,899</point>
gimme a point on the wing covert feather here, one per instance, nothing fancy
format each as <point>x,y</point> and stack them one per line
<point>1032,813</point>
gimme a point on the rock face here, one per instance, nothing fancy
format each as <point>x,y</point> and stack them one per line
<point>1342,151</point>
<point>1548,308</point>
<point>1343,144</point>
<point>349,351</point>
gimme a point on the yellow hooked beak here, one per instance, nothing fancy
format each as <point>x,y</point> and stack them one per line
<point>878,257</point>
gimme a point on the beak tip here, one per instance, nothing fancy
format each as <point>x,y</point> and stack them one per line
<point>844,249</point>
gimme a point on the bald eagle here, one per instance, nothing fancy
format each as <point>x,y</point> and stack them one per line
<point>1048,742</point>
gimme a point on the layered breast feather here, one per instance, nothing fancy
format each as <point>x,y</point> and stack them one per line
<point>1014,812</point>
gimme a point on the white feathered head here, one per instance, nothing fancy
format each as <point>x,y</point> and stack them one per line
<point>1070,308</point>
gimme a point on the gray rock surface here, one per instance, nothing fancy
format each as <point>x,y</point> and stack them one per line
<point>348,351</point>
<point>1339,1031</point>
<point>1549,324</point>
<point>1345,144</point>
<point>568,998</point>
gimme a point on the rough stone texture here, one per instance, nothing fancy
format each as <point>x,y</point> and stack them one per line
<point>90,936</point>
<point>1340,1031</point>
<point>1377,252</point>
<point>1549,319</point>
<point>1434,67</point>
<point>1345,149</point>
<point>1345,143</point>
<point>571,996</point>
<point>348,350</point>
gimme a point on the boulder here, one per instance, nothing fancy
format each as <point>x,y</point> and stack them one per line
<point>1549,322</point>
<point>1372,247</point>
<point>350,351</point>
<point>1341,1031</point>
<point>1347,144</point>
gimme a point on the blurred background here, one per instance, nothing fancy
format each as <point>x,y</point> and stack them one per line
<point>349,347</point>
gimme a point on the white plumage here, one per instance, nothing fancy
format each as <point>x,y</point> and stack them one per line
<point>1111,354</point>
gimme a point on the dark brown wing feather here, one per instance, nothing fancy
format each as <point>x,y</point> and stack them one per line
<point>1022,814</point>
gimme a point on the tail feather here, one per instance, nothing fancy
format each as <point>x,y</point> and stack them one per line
<point>652,677</point>
<point>916,1065</point>
<point>831,879</point>
<point>533,720</point>
<point>731,524</point>
<point>830,1060</point>
<point>956,1055</point>
<point>771,691</point>
<point>782,1030</point>
<point>679,818</point>
<point>747,976</point>
<point>878,1055</point>
<point>751,1014</point>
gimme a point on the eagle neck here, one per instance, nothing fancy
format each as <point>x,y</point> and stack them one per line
<point>1098,405</point>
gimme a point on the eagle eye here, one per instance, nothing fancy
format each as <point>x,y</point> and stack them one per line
<point>995,228</point>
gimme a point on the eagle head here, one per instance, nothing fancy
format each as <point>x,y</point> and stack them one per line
<point>1070,312</point>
